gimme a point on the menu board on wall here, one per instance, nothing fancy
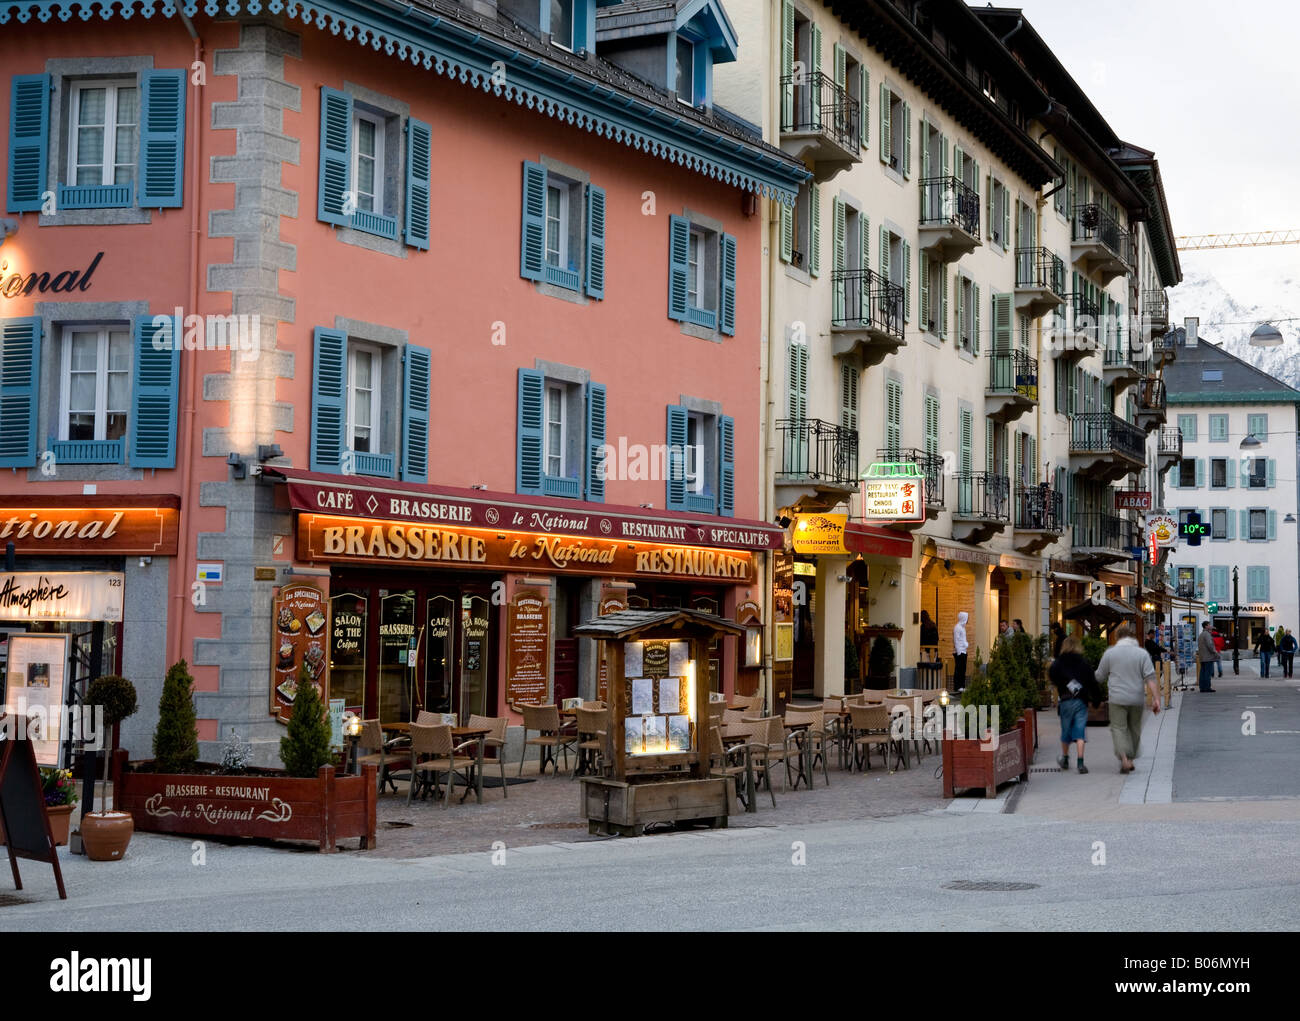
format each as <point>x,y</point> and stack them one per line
<point>36,672</point>
<point>654,659</point>
<point>298,639</point>
<point>528,635</point>
<point>611,601</point>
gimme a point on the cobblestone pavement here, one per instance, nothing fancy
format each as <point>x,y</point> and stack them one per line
<point>548,809</point>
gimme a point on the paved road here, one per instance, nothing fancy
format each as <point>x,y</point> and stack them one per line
<point>1216,760</point>
<point>869,874</point>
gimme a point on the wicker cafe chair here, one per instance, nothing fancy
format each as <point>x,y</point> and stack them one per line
<point>381,754</point>
<point>751,704</point>
<point>767,744</point>
<point>910,707</point>
<point>438,743</point>
<point>721,764</point>
<point>837,726</point>
<point>593,725</point>
<point>869,727</point>
<point>545,719</point>
<point>814,732</point>
<point>495,741</point>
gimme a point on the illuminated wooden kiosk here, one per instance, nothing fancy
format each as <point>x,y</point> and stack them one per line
<point>657,766</point>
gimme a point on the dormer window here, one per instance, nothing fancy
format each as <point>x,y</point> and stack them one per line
<point>685,71</point>
<point>562,23</point>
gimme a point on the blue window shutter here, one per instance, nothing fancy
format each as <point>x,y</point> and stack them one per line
<point>728,303</point>
<point>1271,469</point>
<point>1200,582</point>
<point>1272,524</point>
<point>676,457</point>
<point>679,251</point>
<point>20,377</point>
<point>162,140</point>
<point>596,442</point>
<point>532,244</point>
<point>528,453</point>
<point>595,241</point>
<point>415,414</point>
<point>1244,519</point>
<point>329,391</point>
<point>1264,588</point>
<point>727,466</point>
<point>29,141</point>
<point>155,393</point>
<point>335,156</point>
<point>419,161</point>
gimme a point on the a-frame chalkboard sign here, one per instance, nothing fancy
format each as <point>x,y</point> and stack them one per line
<point>22,808</point>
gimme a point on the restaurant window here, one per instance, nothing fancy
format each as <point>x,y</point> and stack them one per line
<point>96,383</point>
<point>560,437</point>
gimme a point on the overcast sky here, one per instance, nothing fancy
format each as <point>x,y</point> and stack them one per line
<point>1214,89</point>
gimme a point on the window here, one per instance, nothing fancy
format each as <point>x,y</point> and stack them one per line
<point>685,85</point>
<point>695,459</point>
<point>104,124</point>
<point>701,276</point>
<point>701,461</point>
<point>999,212</point>
<point>1218,428</point>
<point>365,377</point>
<point>1257,426</point>
<point>1184,513</point>
<point>968,315</point>
<point>563,238</point>
<point>557,224</point>
<point>1218,473</point>
<point>1218,523</point>
<point>555,431</point>
<point>1258,523</point>
<point>560,436</point>
<point>368,166</point>
<point>1258,472</point>
<point>849,373</point>
<point>1211,376</point>
<point>1187,423</point>
<point>96,383</point>
<point>1257,584</point>
<point>562,23</point>
<point>895,132</point>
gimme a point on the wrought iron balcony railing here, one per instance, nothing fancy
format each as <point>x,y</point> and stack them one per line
<point>1151,394</point>
<point>950,202</point>
<point>1013,372</point>
<point>1155,305</point>
<point>1171,441</point>
<point>931,466</point>
<point>983,495</point>
<point>863,299</point>
<point>1100,530</point>
<point>818,451</point>
<point>1101,431</point>
<point>814,103</point>
<point>1040,267</point>
<point>1092,223</point>
<point>1086,318</point>
<point>1039,508</point>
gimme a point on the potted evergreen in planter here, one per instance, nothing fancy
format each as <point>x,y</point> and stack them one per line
<point>978,760</point>
<point>880,663</point>
<point>104,834</point>
<point>1093,648</point>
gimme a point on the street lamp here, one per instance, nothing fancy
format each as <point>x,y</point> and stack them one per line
<point>1265,335</point>
<point>1236,626</point>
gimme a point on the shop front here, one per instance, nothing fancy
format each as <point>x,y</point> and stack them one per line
<point>465,602</point>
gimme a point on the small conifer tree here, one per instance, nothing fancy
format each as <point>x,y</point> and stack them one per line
<point>176,738</point>
<point>305,747</point>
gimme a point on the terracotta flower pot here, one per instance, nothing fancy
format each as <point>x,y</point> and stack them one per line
<point>106,834</point>
<point>60,816</point>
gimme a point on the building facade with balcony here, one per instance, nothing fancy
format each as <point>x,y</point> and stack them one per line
<point>1238,470</point>
<point>447,240</point>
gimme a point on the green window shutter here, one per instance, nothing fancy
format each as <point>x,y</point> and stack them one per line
<point>1257,426</point>
<point>1244,518</point>
<point>989,447</point>
<point>532,244</point>
<point>924,147</point>
<point>417,216</point>
<point>329,394</point>
<point>595,241</point>
<point>959,313</point>
<point>530,425</point>
<point>815,45</point>
<point>1265,585</point>
<point>1006,218</point>
<point>1272,525</point>
<point>162,139</point>
<point>923,279</point>
<point>849,395</point>
<point>943,304</point>
<point>1218,428</point>
<point>595,443</point>
<point>1272,472</point>
<point>1218,583</point>
<point>967,427</point>
<point>1231,525</point>
<point>1200,580</point>
<point>975,318</point>
<point>837,52</point>
<point>727,466</point>
<point>787,63</point>
<point>1200,473</point>
<point>1187,423</point>
<point>814,229</point>
<point>417,365</point>
<point>864,90</point>
<point>155,392</point>
<point>679,253</point>
<point>1033,461</point>
<point>727,300</point>
<point>29,143</point>
<point>797,382</point>
<point>1229,476</point>
<point>20,360</point>
<point>907,140</point>
<point>1002,305</point>
<point>931,424</point>
<point>335,156</point>
<point>988,202</point>
<point>886,138</point>
<point>893,416</point>
<point>907,282</point>
<point>786,214</point>
<point>839,259</point>
<point>883,255</point>
<point>676,485</point>
<point>958,161</point>
<point>864,263</point>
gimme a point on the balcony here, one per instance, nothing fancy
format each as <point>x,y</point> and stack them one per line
<point>1151,403</point>
<point>1163,348</point>
<point>820,124</point>
<point>1039,518</point>
<point>1040,281</point>
<point>950,218</point>
<point>866,315</point>
<point>1105,447</point>
<point>1169,447</point>
<point>983,506</point>
<point>1099,537</point>
<point>1155,310</point>
<point>1078,335</point>
<point>819,464</point>
<point>1099,244</point>
<point>1013,385</point>
<point>931,466</point>
<point>1118,368</point>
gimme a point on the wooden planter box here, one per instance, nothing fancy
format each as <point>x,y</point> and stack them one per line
<point>615,806</point>
<point>1030,730</point>
<point>966,764</point>
<point>1099,714</point>
<point>324,810</point>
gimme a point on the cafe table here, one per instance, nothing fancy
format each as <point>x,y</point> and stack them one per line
<point>805,757</point>
<point>459,734</point>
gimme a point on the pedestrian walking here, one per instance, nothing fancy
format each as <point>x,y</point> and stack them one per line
<point>1220,643</point>
<point>1075,684</point>
<point>959,647</point>
<point>1206,656</point>
<point>1127,668</point>
<point>1265,646</point>
<point>1157,655</point>
<point>929,635</point>
<point>1058,638</point>
<point>1286,649</point>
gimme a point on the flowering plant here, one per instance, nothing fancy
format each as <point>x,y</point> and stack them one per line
<point>58,786</point>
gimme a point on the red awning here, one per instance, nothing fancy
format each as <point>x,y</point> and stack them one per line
<point>878,541</point>
<point>390,500</point>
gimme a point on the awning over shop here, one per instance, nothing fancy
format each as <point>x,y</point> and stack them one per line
<point>1117,577</point>
<point>875,540</point>
<point>390,500</point>
<point>1061,576</point>
<point>1110,612</point>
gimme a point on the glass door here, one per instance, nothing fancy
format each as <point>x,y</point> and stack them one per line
<point>476,618</point>
<point>439,653</point>
<point>396,656</point>
<point>349,629</point>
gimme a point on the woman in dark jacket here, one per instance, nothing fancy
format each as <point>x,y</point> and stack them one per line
<point>1072,674</point>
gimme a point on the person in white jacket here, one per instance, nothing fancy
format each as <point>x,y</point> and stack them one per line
<point>959,647</point>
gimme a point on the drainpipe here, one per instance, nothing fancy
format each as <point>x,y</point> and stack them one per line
<point>185,440</point>
<point>1040,204</point>
<point>767,683</point>
<point>1020,23</point>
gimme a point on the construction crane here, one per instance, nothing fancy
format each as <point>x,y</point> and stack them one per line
<point>1245,239</point>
